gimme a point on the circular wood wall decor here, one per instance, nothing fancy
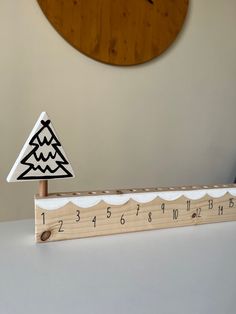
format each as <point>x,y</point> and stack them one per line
<point>119,32</point>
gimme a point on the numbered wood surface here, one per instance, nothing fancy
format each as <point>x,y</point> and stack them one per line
<point>120,32</point>
<point>72,221</point>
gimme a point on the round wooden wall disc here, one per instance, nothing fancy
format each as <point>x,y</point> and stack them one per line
<point>119,32</point>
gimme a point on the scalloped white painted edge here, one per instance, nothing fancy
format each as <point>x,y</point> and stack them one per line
<point>121,199</point>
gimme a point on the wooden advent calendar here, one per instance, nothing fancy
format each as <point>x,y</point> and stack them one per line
<point>60,216</point>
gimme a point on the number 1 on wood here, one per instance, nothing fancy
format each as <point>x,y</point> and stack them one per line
<point>43,214</point>
<point>138,208</point>
<point>94,221</point>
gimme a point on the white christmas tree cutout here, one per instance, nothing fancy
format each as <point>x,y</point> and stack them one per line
<point>42,157</point>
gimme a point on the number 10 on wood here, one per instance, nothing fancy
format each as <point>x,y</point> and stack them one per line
<point>60,216</point>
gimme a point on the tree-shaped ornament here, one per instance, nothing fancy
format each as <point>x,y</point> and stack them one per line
<point>42,157</point>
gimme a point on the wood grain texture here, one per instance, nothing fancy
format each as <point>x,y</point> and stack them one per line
<point>118,32</point>
<point>71,221</point>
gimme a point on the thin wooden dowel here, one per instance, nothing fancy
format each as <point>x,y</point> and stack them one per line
<point>43,188</point>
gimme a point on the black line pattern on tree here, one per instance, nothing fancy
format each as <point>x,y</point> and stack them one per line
<point>34,160</point>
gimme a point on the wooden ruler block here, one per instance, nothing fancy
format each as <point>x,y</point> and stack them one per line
<point>64,216</point>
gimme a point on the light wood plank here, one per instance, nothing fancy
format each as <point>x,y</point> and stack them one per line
<point>71,221</point>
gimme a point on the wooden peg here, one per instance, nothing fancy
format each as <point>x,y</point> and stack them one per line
<point>43,188</point>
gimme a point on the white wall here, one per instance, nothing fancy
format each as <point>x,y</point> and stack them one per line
<point>168,122</point>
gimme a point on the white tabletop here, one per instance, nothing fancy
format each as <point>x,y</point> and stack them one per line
<point>184,270</point>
